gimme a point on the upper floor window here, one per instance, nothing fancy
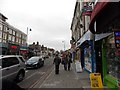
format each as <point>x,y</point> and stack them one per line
<point>13,32</point>
<point>10,37</point>
<point>10,31</point>
<point>1,26</point>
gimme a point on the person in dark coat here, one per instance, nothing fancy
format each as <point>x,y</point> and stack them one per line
<point>65,62</point>
<point>57,62</point>
<point>69,60</point>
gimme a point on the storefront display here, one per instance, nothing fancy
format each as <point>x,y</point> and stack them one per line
<point>88,58</point>
<point>113,58</point>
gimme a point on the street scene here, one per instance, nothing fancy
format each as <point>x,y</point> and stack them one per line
<point>70,44</point>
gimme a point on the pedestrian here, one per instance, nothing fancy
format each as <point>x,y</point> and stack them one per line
<point>65,62</point>
<point>69,61</point>
<point>57,62</point>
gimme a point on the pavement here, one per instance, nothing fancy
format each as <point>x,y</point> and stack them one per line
<point>66,79</point>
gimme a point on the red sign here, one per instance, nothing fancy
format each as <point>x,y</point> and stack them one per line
<point>14,47</point>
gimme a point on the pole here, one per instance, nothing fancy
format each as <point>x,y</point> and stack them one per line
<point>27,36</point>
<point>64,44</point>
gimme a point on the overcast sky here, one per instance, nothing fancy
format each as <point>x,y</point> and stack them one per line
<point>50,20</point>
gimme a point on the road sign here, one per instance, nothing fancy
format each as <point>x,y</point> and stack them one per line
<point>96,82</point>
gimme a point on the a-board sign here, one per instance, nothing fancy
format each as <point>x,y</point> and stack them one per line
<point>96,81</point>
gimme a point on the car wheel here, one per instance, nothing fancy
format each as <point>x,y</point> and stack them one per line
<point>20,76</point>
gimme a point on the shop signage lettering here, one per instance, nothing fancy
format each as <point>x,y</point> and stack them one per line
<point>117,39</point>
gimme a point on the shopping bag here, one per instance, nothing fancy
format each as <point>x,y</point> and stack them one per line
<point>78,67</point>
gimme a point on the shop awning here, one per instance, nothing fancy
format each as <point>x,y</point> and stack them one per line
<point>97,9</point>
<point>86,36</point>
<point>101,36</point>
<point>103,14</point>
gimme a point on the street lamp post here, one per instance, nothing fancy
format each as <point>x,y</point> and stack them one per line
<point>64,44</point>
<point>27,33</point>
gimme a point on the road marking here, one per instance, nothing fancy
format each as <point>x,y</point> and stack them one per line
<point>48,85</point>
<point>41,73</point>
<point>32,86</point>
<point>46,78</point>
<point>26,71</point>
<point>30,76</point>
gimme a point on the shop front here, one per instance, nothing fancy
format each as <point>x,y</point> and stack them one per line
<point>85,45</point>
<point>111,62</point>
<point>3,48</point>
<point>89,61</point>
<point>13,49</point>
<point>24,51</point>
<point>105,20</point>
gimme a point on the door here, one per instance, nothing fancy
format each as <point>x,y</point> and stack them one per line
<point>10,67</point>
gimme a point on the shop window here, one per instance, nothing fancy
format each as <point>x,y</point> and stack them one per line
<point>113,58</point>
<point>88,58</point>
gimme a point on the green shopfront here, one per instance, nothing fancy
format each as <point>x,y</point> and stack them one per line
<point>105,20</point>
<point>110,62</point>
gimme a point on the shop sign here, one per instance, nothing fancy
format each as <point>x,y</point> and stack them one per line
<point>14,47</point>
<point>96,82</point>
<point>117,39</point>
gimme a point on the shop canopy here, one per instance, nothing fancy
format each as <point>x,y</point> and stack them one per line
<point>101,36</point>
<point>103,14</point>
<point>86,36</point>
<point>89,36</point>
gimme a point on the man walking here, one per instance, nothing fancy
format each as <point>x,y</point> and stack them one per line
<point>69,60</point>
<point>57,62</point>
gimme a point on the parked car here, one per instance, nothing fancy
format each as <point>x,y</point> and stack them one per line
<point>35,62</point>
<point>12,67</point>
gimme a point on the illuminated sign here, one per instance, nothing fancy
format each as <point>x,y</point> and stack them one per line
<point>14,47</point>
<point>117,39</point>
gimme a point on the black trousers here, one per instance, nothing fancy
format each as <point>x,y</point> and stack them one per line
<point>65,66</point>
<point>56,69</point>
<point>69,65</point>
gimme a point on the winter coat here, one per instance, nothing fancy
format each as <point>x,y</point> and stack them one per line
<point>57,61</point>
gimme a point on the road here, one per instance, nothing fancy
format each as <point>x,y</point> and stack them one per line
<point>33,76</point>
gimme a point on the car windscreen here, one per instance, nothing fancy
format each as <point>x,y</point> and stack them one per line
<point>33,59</point>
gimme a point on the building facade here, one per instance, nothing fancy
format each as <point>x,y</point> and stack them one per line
<point>12,40</point>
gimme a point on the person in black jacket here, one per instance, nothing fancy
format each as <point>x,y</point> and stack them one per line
<point>69,60</point>
<point>57,62</point>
